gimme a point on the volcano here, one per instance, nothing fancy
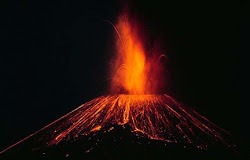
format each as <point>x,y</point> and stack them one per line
<point>157,118</point>
<point>140,121</point>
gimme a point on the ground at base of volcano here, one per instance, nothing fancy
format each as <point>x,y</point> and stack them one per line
<point>119,143</point>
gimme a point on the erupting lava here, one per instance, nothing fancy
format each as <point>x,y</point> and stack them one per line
<point>157,117</point>
<point>135,71</point>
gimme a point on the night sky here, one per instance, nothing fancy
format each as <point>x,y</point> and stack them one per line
<point>56,56</point>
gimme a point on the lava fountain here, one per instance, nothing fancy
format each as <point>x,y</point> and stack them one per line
<point>135,71</point>
<point>135,80</point>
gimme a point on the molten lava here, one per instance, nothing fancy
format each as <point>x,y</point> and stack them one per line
<point>157,117</point>
<point>132,66</point>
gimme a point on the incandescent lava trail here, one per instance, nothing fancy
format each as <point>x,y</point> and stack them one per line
<point>136,73</point>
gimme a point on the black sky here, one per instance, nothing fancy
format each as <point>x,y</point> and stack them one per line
<point>55,56</point>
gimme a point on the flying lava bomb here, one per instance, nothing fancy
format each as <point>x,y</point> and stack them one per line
<point>133,101</point>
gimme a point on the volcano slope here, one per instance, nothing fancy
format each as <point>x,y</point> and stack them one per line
<point>126,127</point>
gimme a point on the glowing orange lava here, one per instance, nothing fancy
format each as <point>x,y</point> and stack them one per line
<point>132,67</point>
<point>157,117</point>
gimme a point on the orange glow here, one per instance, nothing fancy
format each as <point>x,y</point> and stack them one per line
<point>131,67</point>
<point>157,117</point>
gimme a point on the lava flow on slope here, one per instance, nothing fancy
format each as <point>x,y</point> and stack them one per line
<point>155,116</point>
